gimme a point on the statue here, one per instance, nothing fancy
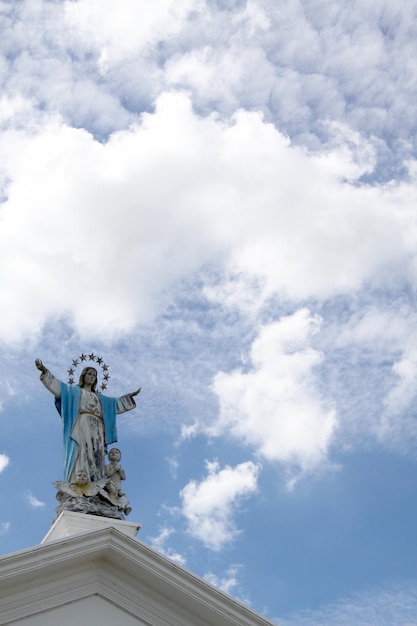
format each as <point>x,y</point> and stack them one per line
<point>115,474</point>
<point>89,425</point>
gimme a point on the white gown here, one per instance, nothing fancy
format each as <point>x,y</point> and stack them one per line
<point>88,429</point>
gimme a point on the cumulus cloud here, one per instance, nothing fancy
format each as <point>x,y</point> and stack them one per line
<point>302,66</point>
<point>123,31</point>
<point>95,215</point>
<point>4,462</point>
<point>208,506</point>
<point>4,527</point>
<point>99,64</point>
<point>274,405</point>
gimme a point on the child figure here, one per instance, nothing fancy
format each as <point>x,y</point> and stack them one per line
<point>115,473</point>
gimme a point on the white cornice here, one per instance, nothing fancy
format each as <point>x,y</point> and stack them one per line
<point>121,569</point>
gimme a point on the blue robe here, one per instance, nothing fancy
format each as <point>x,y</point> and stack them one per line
<point>68,408</point>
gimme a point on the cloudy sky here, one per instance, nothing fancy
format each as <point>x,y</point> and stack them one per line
<point>219,197</point>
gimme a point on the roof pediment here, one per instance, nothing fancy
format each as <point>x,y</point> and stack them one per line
<point>114,569</point>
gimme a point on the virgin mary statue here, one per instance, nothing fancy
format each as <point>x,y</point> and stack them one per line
<point>88,420</point>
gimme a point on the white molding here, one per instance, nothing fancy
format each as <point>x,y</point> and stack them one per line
<point>121,569</point>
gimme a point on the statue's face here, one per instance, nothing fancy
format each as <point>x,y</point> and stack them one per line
<point>90,376</point>
<point>81,477</point>
<point>114,455</point>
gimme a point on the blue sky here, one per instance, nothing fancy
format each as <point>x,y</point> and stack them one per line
<point>219,198</point>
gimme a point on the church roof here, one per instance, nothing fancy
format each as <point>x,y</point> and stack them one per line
<point>114,576</point>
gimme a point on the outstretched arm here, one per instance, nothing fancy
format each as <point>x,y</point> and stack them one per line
<point>51,383</point>
<point>127,402</point>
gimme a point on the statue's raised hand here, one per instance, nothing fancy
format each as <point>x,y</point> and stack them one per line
<point>41,367</point>
<point>134,393</point>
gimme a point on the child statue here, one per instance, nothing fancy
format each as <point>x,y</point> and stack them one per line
<point>115,474</point>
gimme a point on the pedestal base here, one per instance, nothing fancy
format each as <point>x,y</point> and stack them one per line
<point>92,505</point>
<point>70,523</point>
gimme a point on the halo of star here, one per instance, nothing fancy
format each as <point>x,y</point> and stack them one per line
<point>84,360</point>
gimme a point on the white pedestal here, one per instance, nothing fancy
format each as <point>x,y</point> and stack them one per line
<point>70,523</point>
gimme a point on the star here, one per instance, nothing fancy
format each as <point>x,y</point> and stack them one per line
<point>83,357</point>
<point>103,386</point>
<point>70,371</point>
<point>92,357</point>
<point>75,363</point>
<point>70,381</point>
<point>106,376</point>
<point>99,360</point>
<point>105,368</point>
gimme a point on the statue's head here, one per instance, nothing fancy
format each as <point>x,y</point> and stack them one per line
<point>81,477</point>
<point>89,372</point>
<point>115,455</point>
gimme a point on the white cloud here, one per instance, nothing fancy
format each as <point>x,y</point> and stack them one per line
<point>33,501</point>
<point>227,583</point>
<point>4,527</point>
<point>235,192</point>
<point>159,543</point>
<point>219,74</point>
<point>397,427</point>
<point>4,462</point>
<point>405,390</point>
<point>387,326</point>
<point>173,466</point>
<point>188,431</point>
<point>208,506</point>
<point>275,406</point>
<point>302,66</point>
<point>380,342</point>
<point>299,65</point>
<point>383,606</point>
<point>123,30</point>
